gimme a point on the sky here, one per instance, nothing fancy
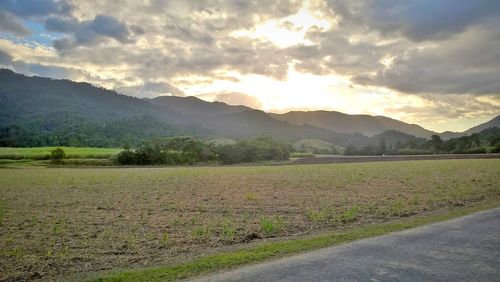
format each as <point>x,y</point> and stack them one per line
<point>431,62</point>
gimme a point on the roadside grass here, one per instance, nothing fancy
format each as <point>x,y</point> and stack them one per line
<point>277,249</point>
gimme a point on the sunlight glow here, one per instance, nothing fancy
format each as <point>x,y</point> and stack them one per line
<point>287,31</point>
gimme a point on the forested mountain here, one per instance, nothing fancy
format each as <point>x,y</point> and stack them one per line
<point>36,111</point>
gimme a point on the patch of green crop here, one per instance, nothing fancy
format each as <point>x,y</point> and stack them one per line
<point>43,153</point>
<point>349,215</point>
<point>227,230</point>
<point>272,225</point>
<point>202,233</point>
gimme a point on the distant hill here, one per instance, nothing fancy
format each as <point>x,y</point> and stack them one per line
<point>364,124</point>
<point>495,122</point>
<point>194,106</point>
<point>492,123</point>
<point>317,146</point>
<point>392,137</point>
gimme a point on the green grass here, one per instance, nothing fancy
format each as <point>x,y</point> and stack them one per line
<point>43,153</point>
<point>277,249</point>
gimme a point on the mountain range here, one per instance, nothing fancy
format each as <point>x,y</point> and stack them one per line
<point>37,111</point>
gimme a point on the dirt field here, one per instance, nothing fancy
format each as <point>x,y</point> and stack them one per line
<point>63,221</point>
<point>329,159</point>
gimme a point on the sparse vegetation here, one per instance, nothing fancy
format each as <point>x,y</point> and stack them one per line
<point>136,217</point>
<point>280,248</point>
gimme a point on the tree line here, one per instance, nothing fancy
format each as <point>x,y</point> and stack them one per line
<point>486,141</point>
<point>184,150</point>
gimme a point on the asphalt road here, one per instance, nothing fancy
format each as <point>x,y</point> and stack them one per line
<point>463,249</point>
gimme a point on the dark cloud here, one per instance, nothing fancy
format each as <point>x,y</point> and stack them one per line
<point>111,27</point>
<point>416,46</point>
<point>417,20</point>
<point>196,44</point>
<point>89,32</point>
<point>11,24</point>
<point>467,63</point>
<point>36,8</point>
<point>65,25</point>
<point>413,47</point>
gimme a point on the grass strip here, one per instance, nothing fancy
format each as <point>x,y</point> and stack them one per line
<point>280,248</point>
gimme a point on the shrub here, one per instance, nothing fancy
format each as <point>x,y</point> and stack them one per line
<point>57,155</point>
<point>126,157</point>
<point>477,150</point>
<point>260,149</point>
<point>496,148</point>
<point>187,150</point>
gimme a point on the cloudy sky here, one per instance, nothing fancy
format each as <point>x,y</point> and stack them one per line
<point>431,62</point>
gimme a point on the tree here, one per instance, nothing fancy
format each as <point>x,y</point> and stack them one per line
<point>350,150</point>
<point>126,157</point>
<point>57,155</point>
<point>382,148</point>
<point>436,142</point>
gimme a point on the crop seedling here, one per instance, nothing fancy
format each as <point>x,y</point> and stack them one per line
<point>228,230</point>
<point>320,215</point>
<point>271,225</point>
<point>165,240</point>
<point>202,233</point>
<point>349,215</point>
<point>251,196</point>
<point>398,208</point>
